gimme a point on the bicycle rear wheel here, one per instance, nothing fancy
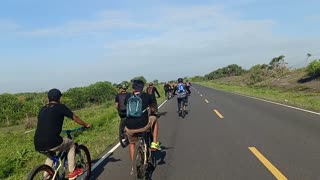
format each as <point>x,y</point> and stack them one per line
<point>183,109</point>
<point>123,139</point>
<point>139,168</point>
<point>83,160</point>
<point>41,172</point>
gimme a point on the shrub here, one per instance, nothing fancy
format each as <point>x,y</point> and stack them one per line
<point>314,68</point>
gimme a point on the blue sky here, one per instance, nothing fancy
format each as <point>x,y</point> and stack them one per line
<point>63,44</point>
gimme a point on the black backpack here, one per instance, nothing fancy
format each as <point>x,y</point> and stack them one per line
<point>122,98</point>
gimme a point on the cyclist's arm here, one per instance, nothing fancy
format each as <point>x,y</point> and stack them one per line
<point>156,90</point>
<point>116,101</point>
<point>79,121</point>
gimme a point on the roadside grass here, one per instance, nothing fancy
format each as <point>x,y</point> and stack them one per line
<point>18,157</point>
<point>300,99</point>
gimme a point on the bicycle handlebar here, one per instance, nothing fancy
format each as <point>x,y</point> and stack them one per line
<point>68,131</point>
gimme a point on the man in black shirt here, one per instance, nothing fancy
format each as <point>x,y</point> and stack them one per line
<point>143,122</point>
<point>47,136</point>
<point>120,100</point>
<point>152,90</point>
<point>166,88</point>
<point>122,111</point>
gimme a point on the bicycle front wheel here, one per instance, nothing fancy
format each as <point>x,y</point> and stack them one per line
<point>139,168</point>
<point>83,160</point>
<point>41,172</point>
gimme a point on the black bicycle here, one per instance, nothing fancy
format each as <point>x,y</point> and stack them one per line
<point>60,162</point>
<point>145,159</point>
<point>169,95</point>
<point>123,138</point>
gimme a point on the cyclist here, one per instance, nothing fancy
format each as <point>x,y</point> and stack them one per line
<point>143,122</point>
<point>47,136</point>
<point>188,85</point>
<point>181,94</point>
<point>152,90</point>
<point>120,99</point>
<point>166,88</point>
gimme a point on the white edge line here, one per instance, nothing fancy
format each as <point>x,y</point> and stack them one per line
<point>279,104</point>
<point>115,147</point>
<point>284,105</point>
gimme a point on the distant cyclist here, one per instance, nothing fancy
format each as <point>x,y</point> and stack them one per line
<point>166,88</point>
<point>152,90</point>
<point>120,100</point>
<point>188,85</point>
<point>181,91</point>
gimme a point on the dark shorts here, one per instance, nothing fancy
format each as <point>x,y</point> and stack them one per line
<point>131,133</point>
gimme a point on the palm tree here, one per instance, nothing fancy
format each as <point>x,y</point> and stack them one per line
<point>308,56</point>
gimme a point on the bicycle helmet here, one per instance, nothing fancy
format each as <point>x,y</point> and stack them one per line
<point>180,80</point>
<point>123,86</point>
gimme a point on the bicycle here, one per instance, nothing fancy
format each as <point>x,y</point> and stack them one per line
<point>60,162</point>
<point>183,108</point>
<point>123,139</point>
<point>169,95</point>
<point>145,159</point>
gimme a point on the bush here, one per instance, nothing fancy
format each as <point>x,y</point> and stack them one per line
<point>314,68</point>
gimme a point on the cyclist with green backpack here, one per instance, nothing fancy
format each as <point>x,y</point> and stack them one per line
<point>138,119</point>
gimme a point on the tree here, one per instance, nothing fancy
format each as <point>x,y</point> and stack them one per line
<point>308,56</point>
<point>277,62</point>
<point>155,82</point>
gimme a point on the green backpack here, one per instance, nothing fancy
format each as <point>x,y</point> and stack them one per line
<point>134,106</point>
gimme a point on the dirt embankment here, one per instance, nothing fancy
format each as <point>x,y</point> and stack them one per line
<point>294,80</point>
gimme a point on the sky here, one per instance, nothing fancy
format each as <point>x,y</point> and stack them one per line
<point>64,44</point>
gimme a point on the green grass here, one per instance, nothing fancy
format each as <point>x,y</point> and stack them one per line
<point>18,156</point>
<point>305,100</point>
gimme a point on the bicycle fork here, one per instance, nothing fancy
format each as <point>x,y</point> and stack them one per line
<point>145,153</point>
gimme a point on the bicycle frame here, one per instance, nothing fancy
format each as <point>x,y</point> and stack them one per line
<point>58,159</point>
<point>62,156</point>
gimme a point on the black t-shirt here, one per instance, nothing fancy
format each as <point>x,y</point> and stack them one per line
<point>140,122</point>
<point>118,99</point>
<point>166,87</point>
<point>49,127</point>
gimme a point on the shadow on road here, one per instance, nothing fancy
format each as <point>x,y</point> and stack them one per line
<point>101,167</point>
<point>160,158</point>
<point>162,114</point>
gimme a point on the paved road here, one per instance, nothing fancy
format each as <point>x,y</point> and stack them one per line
<point>227,136</point>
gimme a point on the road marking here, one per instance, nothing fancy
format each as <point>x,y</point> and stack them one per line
<point>267,164</point>
<point>201,95</point>
<point>292,107</point>
<point>115,147</point>
<point>206,101</point>
<point>218,113</point>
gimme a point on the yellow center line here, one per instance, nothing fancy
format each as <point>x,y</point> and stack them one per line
<point>206,101</point>
<point>218,113</point>
<point>268,164</point>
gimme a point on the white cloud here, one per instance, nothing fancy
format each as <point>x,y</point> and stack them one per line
<point>8,25</point>
<point>107,20</point>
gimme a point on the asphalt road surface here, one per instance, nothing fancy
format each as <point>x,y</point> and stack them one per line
<point>227,136</point>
